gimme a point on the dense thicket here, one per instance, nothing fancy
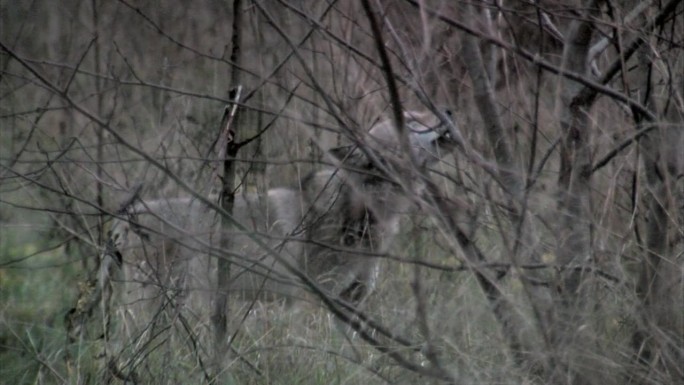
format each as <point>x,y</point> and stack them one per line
<point>547,248</point>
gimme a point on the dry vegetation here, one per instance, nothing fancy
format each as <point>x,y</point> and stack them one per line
<point>551,250</point>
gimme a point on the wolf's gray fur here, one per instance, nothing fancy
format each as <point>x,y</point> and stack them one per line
<point>329,228</point>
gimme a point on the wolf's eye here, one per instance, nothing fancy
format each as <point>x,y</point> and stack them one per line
<point>349,239</point>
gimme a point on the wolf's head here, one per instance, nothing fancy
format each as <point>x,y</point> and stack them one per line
<point>429,137</point>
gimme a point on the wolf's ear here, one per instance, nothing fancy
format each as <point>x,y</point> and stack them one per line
<point>350,156</point>
<point>341,153</point>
